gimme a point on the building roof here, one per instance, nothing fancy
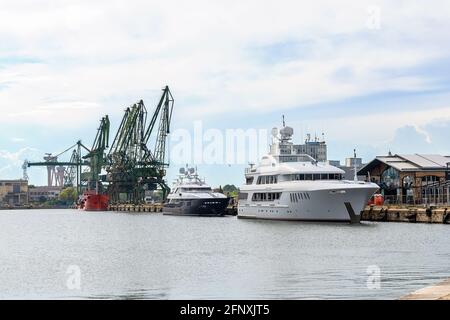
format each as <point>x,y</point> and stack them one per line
<point>14,181</point>
<point>409,162</point>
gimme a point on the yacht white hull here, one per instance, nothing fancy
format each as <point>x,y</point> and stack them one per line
<point>321,205</point>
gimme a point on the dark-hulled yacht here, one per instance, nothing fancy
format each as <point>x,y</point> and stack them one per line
<point>191,196</point>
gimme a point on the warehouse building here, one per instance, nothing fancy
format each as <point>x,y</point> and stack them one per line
<point>411,179</point>
<point>43,193</point>
<point>13,192</point>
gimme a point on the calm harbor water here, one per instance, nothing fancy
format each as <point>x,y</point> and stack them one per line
<point>151,256</point>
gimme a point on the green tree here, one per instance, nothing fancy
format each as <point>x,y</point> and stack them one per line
<point>68,195</point>
<point>230,188</point>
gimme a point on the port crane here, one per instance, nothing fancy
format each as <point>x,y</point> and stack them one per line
<point>96,158</point>
<point>70,173</point>
<point>132,165</point>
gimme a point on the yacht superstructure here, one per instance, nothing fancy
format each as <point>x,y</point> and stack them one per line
<point>191,196</point>
<point>290,186</point>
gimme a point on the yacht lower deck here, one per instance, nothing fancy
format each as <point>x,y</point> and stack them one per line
<point>314,205</point>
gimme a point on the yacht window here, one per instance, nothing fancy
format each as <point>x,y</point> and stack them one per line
<point>266,196</point>
<point>324,176</point>
<point>195,189</point>
<point>290,196</point>
<point>316,176</point>
<point>296,198</point>
<point>301,195</point>
<point>307,195</point>
<point>249,180</point>
<point>308,176</point>
<point>266,180</point>
<point>242,196</point>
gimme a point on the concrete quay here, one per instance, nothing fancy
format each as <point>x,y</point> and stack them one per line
<point>440,291</point>
<point>413,214</point>
<point>156,207</point>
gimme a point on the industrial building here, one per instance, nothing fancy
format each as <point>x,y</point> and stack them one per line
<point>13,192</point>
<point>43,193</point>
<point>411,179</point>
<point>314,148</point>
<point>349,167</point>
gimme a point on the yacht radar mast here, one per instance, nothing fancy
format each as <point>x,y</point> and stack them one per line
<point>286,133</point>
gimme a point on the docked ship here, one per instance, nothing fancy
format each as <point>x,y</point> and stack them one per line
<point>192,196</point>
<point>93,201</point>
<point>287,185</point>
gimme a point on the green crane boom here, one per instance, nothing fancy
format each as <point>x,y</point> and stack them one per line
<point>96,156</point>
<point>132,166</point>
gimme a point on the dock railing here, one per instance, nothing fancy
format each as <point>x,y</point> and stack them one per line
<point>432,200</point>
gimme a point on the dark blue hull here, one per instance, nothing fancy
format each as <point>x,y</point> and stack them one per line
<point>197,207</point>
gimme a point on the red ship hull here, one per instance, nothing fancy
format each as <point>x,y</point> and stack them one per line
<point>94,202</point>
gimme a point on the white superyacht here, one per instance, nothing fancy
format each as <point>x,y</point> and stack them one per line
<point>290,186</point>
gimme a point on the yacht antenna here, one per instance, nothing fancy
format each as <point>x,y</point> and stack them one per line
<point>284,124</point>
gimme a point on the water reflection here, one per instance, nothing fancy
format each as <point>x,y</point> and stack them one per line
<point>151,256</point>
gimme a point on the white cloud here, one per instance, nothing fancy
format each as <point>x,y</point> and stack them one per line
<point>378,129</point>
<point>89,53</point>
<point>18,157</point>
<point>17,139</point>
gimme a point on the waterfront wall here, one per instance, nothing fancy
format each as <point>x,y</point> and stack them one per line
<point>156,207</point>
<point>412,214</point>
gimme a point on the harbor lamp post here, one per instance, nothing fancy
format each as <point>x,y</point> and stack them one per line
<point>447,173</point>
<point>447,178</point>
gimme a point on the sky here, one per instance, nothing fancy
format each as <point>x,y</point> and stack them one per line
<point>370,75</point>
